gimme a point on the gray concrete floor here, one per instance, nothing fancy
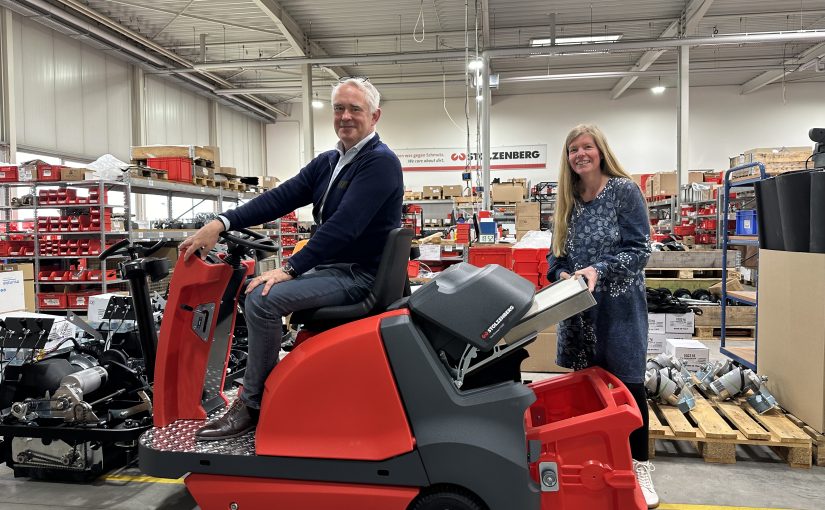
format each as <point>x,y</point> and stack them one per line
<point>758,480</point>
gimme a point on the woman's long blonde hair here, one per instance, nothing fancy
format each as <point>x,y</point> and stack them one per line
<point>568,181</point>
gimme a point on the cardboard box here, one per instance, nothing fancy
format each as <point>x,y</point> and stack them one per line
<point>656,323</point>
<point>791,335</point>
<point>543,353</point>
<point>527,223</point>
<point>28,295</point>
<point>507,192</point>
<point>97,305</point>
<point>664,184</point>
<point>228,170</point>
<point>12,291</point>
<point>528,209</point>
<point>693,353</point>
<point>431,192</point>
<point>26,269</point>
<point>73,174</point>
<point>777,160</point>
<point>679,323</point>
<point>451,191</point>
<point>268,181</point>
<point>656,341</point>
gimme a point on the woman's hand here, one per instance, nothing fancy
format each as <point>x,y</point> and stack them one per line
<point>564,275</point>
<point>590,275</point>
<point>204,240</point>
<point>268,279</point>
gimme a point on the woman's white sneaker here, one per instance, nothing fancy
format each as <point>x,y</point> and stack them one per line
<point>643,470</point>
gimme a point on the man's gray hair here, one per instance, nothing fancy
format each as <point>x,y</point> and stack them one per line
<point>370,92</point>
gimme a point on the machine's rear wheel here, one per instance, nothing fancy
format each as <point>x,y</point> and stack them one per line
<point>446,500</point>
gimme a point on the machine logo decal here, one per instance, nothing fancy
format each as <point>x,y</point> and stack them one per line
<point>497,323</point>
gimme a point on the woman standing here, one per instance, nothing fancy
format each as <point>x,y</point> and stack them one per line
<point>602,234</point>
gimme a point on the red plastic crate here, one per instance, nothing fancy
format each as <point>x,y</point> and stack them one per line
<point>482,256</point>
<point>525,267</point>
<point>532,278</point>
<point>8,174</point>
<point>178,169</point>
<point>48,172</point>
<point>78,299</point>
<point>51,300</point>
<point>583,420</point>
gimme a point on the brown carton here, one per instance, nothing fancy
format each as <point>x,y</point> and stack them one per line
<point>451,191</point>
<point>432,192</point>
<point>507,192</point>
<point>791,334</point>
<point>27,269</point>
<point>543,353</point>
<point>73,174</point>
<point>664,184</point>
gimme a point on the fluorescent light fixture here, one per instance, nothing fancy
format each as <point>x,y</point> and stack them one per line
<point>658,89</point>
<point>317,103</point>
<point>475,64</point>
<point>581,39</point>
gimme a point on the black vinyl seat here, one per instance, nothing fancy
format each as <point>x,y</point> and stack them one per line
<point>391,284</point>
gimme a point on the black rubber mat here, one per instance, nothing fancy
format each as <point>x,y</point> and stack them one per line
<point>768,215</point>
<point>794,191</point>
<point>818,211</point>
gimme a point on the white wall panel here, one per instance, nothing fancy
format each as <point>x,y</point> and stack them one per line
<point>283,149</point>
<point>95,108</point>
<point>119,109</point>
<point>174,115</point>
<point>37,92</point>
<point>73,100</point>
<point>68,93</point>
<point>241,142</point>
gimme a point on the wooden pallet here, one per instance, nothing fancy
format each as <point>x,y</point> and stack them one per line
<point>203,181</point>
<point>143,172</point>
<point>732,332</point>
<point>688,273</point>
<point>817,438</point>
<point>232,185</point>
<point>715,428</point>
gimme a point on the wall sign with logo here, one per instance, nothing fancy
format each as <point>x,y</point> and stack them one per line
<point>501,158</point>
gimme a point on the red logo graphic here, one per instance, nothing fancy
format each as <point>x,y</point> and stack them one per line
<point>456,157</point>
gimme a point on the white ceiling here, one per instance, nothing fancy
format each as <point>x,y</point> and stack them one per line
<point>244,30</point>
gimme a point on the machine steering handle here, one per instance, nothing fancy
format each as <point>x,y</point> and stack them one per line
<point>247,243</point>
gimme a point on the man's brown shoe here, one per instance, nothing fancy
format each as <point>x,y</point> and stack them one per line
<point>236,421</point>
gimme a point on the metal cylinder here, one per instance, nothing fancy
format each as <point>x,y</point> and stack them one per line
<point>87,380</point>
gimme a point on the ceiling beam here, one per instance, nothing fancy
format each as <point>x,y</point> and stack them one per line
<point>485,25</point>
<point>691,16</point>
<point>174,18</point>
<point>790,65</point>
<point>296,37</point>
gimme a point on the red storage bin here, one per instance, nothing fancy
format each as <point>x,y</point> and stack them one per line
<point>583,420</point>
<point>78,299</point>
<point>543,268</point>
<point>413,266</point>
<point>8,173</point>
<point>684,230</point>
<point>525,254</point>
<point>178,169</point>
<point>481,256</point>
<point>526,267</point>
<point>51,300</point>
<point>532,278</point>
<point>48,172</point>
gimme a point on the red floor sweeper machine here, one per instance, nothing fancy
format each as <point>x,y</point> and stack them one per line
<point>416,406</point>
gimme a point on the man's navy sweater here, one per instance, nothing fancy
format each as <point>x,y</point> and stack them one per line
<point>363,205</point>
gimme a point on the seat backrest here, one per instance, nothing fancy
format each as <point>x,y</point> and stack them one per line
<point>391,278</point>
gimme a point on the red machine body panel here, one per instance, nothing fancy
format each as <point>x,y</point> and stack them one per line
<point>213,492</point>
<point>181,360</point>
<point>358,415</point>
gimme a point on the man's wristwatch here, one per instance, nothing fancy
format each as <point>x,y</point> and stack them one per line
<point>288,269</point>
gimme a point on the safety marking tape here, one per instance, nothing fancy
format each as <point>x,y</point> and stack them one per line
<point>675,506</point>
<point>141,479</point>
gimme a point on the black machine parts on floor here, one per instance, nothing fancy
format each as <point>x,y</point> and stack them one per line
<point>75,407</point>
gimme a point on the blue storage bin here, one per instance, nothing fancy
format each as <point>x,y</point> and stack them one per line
<point>746,224</point>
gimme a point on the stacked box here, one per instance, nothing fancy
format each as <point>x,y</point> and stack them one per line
<point>451,191</point>
<point>528,217</point>
<point>662,327</point>
<point>431,192</point>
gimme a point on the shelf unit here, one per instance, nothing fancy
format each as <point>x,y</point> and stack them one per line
<point>128,185</point>
<point>39,238</point>
<point>747,297</point>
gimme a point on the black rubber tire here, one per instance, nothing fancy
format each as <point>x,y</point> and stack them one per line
<point>446,500</point>
<point>702,295</point>
<point>682,294</point>
<point>664,291</point>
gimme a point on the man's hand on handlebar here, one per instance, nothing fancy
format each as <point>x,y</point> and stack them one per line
<point>204,240</point>
<point>268,279</point>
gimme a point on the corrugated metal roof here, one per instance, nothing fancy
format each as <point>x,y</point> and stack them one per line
<point>240,30</point>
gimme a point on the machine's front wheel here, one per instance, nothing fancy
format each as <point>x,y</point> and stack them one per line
<point>446,500</point>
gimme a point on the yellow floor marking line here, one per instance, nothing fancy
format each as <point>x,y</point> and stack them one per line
<point>675,506</point>
<point>141,479</point>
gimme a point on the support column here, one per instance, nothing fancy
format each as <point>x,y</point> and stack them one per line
<point>139,127</point>
<point>8,119</point>
<point>486,104</point>
<point>306,111</point>
<point>683,131</point>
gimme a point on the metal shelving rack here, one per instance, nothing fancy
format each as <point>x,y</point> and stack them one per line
<point>738,240</point>
<point>103,186</point>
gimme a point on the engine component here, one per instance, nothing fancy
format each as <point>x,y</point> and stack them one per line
<point>55,453</point>
<point>67,402</point>
<point>739,381</point>
<point>670,386</point>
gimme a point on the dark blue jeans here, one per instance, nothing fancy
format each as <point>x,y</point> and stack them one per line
<point>331,285</point>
